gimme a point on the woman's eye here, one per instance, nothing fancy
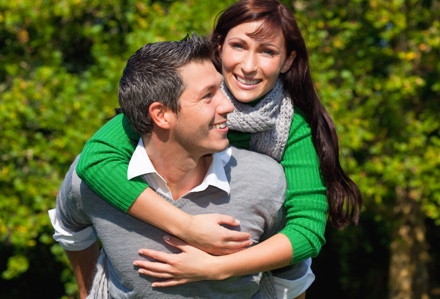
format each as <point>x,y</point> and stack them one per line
<point>237,46</point>
<point>269,52</point>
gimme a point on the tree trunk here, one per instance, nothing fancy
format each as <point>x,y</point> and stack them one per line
<point>408,272</point>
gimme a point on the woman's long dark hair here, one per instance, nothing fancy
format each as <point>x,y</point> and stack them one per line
<point>343,195</point>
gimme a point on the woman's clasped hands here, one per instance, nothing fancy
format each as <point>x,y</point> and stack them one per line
<point>191,265</point>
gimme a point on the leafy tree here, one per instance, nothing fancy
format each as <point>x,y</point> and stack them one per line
<point>375,63</point>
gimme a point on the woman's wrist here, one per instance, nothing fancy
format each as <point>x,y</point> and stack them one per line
<point>150,207</point>
<point>217,270</point>
<point>185,232</point>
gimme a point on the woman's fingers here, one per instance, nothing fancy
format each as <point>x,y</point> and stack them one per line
<point>176,242</point>
<point>156,267</point>
<point>208,233</point>
<point>192,264</point>
<point>158,255</point>
<point>225,219</point>
<point>232,235</point>
<point>155,274</point>
<point>229,247</point>
<point>169,283</point>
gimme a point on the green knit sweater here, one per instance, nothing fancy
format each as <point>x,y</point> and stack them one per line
<point>104,162</point>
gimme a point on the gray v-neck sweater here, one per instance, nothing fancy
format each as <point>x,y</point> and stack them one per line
<point>257,204</point>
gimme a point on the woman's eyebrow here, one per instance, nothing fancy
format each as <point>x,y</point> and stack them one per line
<point>272,45</point>
<point>238,39</point>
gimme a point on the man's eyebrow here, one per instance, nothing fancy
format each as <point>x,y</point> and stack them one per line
<point>206,89</point>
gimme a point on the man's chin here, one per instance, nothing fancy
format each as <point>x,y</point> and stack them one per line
<point>225,146</point>
<point>217,147</point>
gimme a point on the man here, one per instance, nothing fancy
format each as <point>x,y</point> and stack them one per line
<point>170,94</point>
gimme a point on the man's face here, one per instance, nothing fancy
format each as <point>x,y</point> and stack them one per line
<point>200,126</point>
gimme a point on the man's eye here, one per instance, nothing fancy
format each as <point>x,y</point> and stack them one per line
<point>207,96</point>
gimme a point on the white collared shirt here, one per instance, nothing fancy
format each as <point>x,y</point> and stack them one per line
<point>140,165</point>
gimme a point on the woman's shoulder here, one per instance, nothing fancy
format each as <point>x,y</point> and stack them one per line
<point>299,118</point>
<point>299,128</point>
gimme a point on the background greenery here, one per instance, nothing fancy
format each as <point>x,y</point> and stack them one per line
<point>376,64</point>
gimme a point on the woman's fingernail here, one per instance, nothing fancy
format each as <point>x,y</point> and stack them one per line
<point>238,221</point>
<point>134,263</point>
<point>166,238</point>
<point>140,251</point>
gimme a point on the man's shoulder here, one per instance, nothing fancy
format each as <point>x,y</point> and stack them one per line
<point>252,167</point>
<point>71,179</point>
<point>73,188</point>
<point>254,160</point>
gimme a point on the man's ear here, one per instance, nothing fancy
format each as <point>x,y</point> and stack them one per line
<point>288,63</point>
<point>161,115</point>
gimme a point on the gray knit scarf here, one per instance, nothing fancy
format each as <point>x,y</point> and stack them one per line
<point>269,121</point>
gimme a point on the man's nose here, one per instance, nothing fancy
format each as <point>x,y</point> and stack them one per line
<point>225,106</point>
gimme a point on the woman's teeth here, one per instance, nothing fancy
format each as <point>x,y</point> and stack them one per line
<point>247,82</point>
<point>219,126</point>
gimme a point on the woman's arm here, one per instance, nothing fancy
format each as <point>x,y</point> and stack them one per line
<point>194,265</point>
<point>202,231</point>
<point>103,167</point>
<point>306,195</point>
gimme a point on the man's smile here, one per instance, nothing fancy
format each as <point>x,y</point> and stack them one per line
<point>218,126</point>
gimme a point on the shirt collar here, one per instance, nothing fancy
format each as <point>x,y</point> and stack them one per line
<point>140,165</point>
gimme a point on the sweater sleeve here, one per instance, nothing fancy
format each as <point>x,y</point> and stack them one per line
<point>104,163</point>
<point>306,196</point>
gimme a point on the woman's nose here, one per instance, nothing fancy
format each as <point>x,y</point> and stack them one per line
<point>249,64</point>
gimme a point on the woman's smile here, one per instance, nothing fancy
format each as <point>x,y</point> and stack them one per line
<point>249,82</point>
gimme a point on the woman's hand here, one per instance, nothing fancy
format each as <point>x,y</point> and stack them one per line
<point>202,231</point>
<point>206,233</point>
<point>190,265</point>
<point>193,264</point>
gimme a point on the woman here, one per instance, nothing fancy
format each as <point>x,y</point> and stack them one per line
<point>264,61</point>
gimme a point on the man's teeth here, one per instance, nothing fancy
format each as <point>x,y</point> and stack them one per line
<point>219,126</point>
<point>247,82</point>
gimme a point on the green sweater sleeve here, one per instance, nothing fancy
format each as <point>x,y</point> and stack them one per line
<point>306,196</point>
<point>104,163</point>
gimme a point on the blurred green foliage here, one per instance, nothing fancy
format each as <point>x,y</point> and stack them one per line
<point>375,62</point>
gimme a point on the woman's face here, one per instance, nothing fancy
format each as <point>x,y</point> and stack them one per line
<point>250,67</point>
